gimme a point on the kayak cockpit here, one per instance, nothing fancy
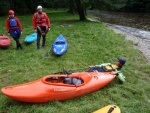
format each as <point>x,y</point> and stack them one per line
<point>67,80</point>
<point>59,43</point>
<point>62,80</point>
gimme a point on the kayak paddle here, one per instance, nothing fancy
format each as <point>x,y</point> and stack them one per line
<point>68,72</point>
<point>47,54</point>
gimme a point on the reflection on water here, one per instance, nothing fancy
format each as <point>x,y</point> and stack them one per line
<point>135,20</point>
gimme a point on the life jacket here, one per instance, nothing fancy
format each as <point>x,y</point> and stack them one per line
<point>40,18</point>
<point>111,67</point>
<point>13,22</point>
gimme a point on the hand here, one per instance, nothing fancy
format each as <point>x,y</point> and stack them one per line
<point>91,66</point>
<point>43,33</point>
<point>21,32</point>
<point>49,29</point>
<point>35,30</point>
<point>113,73</point>
<point>8,33</point>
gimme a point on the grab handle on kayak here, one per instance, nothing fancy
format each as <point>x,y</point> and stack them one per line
<point>111,109</point>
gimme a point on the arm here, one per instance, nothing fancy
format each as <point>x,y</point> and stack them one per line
<point>7,25</point>
<point>19,24</point>
<point>34,21</point>
<point>104,64</point>
<point>120,76</point>
<point>47,20</point>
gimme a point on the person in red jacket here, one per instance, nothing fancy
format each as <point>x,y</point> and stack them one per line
<point>41,25</point>
<point>14,28</point>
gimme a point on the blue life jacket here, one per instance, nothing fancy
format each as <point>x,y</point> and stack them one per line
<point>12,22</point>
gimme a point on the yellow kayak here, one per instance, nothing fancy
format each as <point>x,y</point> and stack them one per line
<point>109,109</point>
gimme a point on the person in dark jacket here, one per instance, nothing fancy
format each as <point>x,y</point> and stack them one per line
<point>108,67</point>
<point>14,28</point>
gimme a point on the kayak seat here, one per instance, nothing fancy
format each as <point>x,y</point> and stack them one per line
<point>73,81</point>
<point>60,43</point>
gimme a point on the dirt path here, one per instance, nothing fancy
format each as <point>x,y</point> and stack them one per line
<point>142,44</point>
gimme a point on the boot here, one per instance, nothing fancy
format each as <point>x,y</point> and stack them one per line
<point>43,41</point>
<point>21,47</point>
<point>17,48</point>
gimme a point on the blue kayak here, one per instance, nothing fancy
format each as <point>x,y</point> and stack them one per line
<point>31,38</point>
<point>60,45</point>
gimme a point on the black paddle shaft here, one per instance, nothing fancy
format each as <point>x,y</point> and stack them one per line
<point>47,54</point>
<point>69,72</point>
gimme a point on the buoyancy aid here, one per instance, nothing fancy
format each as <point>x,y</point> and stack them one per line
<point>12,22</point>
<point>111,67</point>
<point>40,19</point>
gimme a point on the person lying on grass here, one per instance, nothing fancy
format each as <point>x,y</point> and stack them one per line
<point>108,67</point>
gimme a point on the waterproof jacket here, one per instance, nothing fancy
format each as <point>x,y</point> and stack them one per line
<point>40,19</point>
<point>8,25</point>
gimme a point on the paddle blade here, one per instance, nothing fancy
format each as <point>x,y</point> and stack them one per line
<point>46,55</point>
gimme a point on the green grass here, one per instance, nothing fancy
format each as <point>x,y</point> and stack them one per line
<point>89,44</point>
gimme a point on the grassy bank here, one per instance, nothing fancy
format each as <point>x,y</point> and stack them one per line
<point>89,44</point>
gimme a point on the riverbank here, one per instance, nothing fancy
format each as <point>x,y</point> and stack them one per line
<point>142,43</point>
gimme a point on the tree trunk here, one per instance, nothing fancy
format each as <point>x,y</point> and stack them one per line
<point>71,6</point>
<point>80,10</point>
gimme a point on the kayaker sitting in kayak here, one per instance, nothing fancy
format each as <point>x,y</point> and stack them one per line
<point>108,67</point>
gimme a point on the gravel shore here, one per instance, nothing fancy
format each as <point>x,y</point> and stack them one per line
<point>143,44</point>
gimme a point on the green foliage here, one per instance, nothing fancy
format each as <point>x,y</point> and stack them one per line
<point>29,6</point>
<point>4,6</point>
<point>138,5</point>
<point>122,5</point>
<point>89,44</point>
<point>111,5</point>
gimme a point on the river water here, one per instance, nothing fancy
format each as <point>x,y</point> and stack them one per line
<point>135,23</point>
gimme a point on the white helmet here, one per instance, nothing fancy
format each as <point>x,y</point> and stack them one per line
<point>39,7</point>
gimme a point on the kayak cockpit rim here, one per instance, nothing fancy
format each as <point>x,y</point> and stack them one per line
<point>59,81</point>
<point>60,43</point>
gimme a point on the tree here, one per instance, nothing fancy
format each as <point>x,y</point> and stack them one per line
<point>4,6</point>
<point>80,10</point>
<point>72,6</point>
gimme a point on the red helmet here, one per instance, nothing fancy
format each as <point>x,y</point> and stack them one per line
<point>11,12</point>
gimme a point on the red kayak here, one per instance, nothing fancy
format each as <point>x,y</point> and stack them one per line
<point>58,87</point>
<point>4,41</point>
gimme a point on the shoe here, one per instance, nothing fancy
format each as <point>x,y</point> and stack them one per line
<point>38,47</point>
<point>21,48</point>
<point>43,46</point>
<point>17,48</point>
